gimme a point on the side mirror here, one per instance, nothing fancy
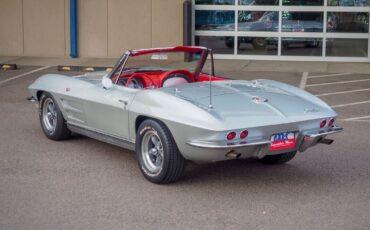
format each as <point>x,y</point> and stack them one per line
<point>106,82</point>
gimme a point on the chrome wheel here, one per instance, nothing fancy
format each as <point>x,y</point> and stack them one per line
<point>49,115</point>
<point>260,41</point>
<point>152,152</point>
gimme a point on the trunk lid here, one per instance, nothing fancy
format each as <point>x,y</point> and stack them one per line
<point>236,102</point>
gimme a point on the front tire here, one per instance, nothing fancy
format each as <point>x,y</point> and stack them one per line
<point>51,118</point>
<point>158,156</point>
<point>279,158</point>
<point>259,43</point>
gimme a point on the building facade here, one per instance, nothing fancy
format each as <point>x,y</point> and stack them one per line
<point>328,30</point>
<point>322,30</point>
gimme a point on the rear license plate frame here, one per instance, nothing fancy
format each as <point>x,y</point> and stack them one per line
<point>283,140</point>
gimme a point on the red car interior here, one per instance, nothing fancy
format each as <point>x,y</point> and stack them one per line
<point>157,78</point>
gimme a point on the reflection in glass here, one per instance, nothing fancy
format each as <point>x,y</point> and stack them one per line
<point>343,47</point>
<point>258,21</point>
<point>214,2</point>
<point>303,2</point>
<point>348,2</point>
<point>301,46</point>
<point>302,21</point>
<point>259,2</point>
<point>214,20</point>
<point>348,22</point>
<point>258,45</point>
<point>219,45</point>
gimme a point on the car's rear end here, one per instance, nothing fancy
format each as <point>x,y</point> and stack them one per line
<point>253,119</point>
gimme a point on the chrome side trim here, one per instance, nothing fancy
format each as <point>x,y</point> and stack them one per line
<point>102,137</point>
<point>224,145</point>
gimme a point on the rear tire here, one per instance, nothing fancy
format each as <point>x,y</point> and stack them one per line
<point>279,158</point>
<point>51,118</point>
<point>158,157</point>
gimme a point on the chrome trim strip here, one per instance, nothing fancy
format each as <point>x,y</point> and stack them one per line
<point>102,137</point>
<point>215,145</point>
<point>314,134</point>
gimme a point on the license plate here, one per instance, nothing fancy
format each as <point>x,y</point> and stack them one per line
<point>282,141</point>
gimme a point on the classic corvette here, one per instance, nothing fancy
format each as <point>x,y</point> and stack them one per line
<point>164,105</point>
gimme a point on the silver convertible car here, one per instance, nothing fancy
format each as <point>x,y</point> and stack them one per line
<point>163,104</point>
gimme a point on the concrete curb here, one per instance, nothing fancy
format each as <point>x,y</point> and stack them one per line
<point>83,68</point>
<point>8,66</point>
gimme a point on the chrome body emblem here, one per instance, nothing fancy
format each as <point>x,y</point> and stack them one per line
<point>312,110</point>
<point>258,99</point>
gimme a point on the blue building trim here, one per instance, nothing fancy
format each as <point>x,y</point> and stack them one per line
<point>73,27</point>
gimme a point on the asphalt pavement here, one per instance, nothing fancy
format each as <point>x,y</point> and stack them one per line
<point>86,184</point>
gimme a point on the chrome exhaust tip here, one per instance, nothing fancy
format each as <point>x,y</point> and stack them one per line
<point>325,141</point>
<point>232,154</point>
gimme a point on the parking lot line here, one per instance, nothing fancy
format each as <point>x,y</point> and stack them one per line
<point>356,118</point>
<point>24,74</point>
<point>341,92</point>
<point>350,104</point>
<point>330,75</point>
<point>303,82</point>
<point>337,82</point>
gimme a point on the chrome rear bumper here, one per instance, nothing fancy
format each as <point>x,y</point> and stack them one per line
<point>225,145</point>
<point>311,138</point>
<point>304,140</point>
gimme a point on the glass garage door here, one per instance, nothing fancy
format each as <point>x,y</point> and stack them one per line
<point>335,30</point>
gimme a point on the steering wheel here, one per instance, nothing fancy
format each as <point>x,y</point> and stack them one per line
<point>184,72</point>
<point>141,76</point>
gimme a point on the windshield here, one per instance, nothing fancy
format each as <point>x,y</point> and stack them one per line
<point>161,61</point>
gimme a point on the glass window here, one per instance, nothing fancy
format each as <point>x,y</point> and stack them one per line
<point>348,22</point>
<point>258,45</point>
<point>303,2</point>
<point>219,44</point>
<point>343,47</point>
<point>302,21</point>
<point>301,47</point>
<point>348,2</point>
<point>215,2</point>
<point>258,21</point>
<point>259,2</point>
<point>214,20</point>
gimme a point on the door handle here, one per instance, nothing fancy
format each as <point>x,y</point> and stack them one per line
<point>123,101</point>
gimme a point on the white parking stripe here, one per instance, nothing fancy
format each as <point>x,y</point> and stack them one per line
<point>342,92</point>
<point>330,75</point>
<point>337,82</point>
<point>350,104</point>
<point>303,82</point>
<point>355,118</point>
<point>24,74</point>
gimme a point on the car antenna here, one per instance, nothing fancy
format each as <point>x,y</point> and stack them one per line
<point>212,66</point>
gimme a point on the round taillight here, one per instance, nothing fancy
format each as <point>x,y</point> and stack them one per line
<point>331,122</point>
<point>230,135</point>
<point>243,134</point>
<point>322,124</point>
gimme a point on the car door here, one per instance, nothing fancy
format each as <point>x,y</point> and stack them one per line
<point>106,110</point>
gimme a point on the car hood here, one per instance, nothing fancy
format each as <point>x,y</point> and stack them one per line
<point>250,101</point>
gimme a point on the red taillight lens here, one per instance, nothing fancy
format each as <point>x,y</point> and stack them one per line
<point>243,134</point>
<point>331,122</point>
<point>230,135</point>
<point>322,124</point>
